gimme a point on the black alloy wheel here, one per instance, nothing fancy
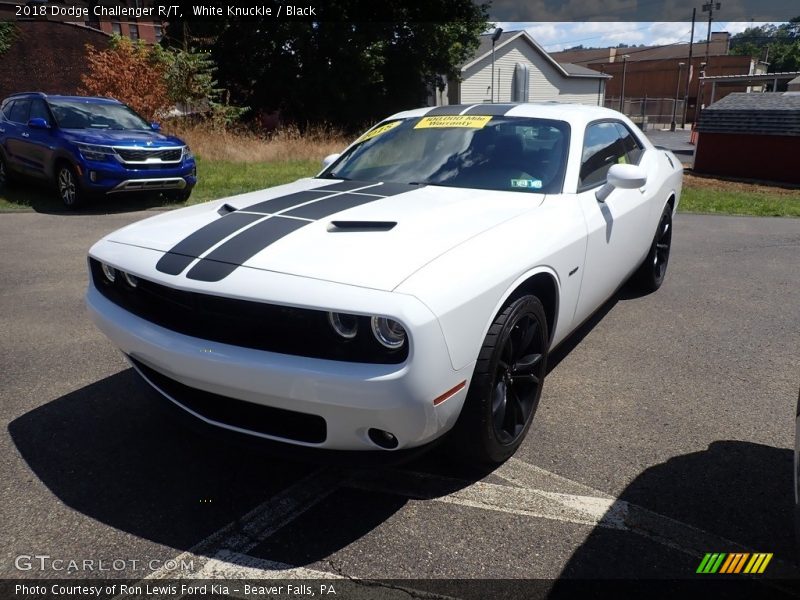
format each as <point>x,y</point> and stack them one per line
<point>653,270</point>
<point>507,384</point>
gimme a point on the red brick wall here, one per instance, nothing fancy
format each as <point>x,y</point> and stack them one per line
<point>766,157</point>
<point>47,56</point>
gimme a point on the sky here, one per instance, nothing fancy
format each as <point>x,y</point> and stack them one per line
<point>559,36</point>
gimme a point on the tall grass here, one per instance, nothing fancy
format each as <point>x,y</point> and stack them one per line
<point>287,143</point>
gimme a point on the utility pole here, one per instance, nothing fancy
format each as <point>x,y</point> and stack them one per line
<point>708,7</point>
<point>495,36</point>
<point>625,58</point>
<point>688,73</point>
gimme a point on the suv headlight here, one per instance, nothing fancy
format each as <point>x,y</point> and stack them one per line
<point>187,153</point>
<point>92,152</point>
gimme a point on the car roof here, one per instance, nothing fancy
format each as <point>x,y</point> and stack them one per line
<point>88,99</point>
<point>575,114</point>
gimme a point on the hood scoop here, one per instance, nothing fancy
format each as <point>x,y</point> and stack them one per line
<point>336,226</point>
<point>225,209</point>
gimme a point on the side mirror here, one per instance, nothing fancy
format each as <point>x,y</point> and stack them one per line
<point>627,177</point>
<point>329,160</point>
<point>155,126</point>
<point>38,123</point>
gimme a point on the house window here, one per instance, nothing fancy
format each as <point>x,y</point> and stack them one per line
<point>158,31</point>
<point>116,28</point>
<point>134,31</point>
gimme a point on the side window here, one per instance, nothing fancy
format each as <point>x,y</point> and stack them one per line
<point>602,147</point>
<point>633,149</point>
<point>5,109</point>
<point>39,110</point>
<point>19,112</point>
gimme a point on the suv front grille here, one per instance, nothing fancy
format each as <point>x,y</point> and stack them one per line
<point>143,154</point>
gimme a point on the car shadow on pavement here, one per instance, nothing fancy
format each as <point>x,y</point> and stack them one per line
<point>734,496</point>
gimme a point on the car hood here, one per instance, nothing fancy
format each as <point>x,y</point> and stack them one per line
<point>119,137</point>
<point>364,234</point>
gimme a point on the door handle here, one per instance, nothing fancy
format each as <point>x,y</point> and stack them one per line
<point>26,135</point>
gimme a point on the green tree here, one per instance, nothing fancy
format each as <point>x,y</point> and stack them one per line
<point>374,59</point>
<point>777,44</point>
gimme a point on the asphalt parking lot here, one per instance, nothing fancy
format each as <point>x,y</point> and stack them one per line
<point>665,431</point>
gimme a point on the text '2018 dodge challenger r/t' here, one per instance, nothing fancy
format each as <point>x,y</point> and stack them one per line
<point>413,288</point>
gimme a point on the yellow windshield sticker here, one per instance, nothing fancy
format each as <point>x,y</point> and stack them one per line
<point>378,130</point>
<point>470,121</point>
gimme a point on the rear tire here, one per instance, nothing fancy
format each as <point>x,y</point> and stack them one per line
<point>68,186</point>
<point>651,273</point>
<point>506,385</point>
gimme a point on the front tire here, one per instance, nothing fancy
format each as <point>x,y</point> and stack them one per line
<point>506,385</point>
<point>67,186</point>
<point>650,275</point>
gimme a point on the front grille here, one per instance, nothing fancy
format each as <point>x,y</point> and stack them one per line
<point>268,420</point>
<point>245,323</point>
<point>141,155</point>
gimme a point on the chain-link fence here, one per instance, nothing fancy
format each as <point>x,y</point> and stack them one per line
<point>649,113</point>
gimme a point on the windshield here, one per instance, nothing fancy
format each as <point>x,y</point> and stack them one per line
<point>470,151</point>
<point>74,114</point>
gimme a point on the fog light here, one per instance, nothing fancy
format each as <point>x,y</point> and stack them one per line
<point>382,438</point>
<point>110,272</point>
<point>92,176</point>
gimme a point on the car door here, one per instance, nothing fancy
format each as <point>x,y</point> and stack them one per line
<point>16,133</point>
<point>618,229</point>
<point>37,146</point>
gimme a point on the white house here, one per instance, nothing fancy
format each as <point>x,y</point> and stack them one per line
<point>523,72</point>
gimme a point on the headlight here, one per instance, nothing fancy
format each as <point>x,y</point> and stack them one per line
<point>187,153</point>
<point>109,271</point>
<point>131,280</point>
<point>92,152</point>
<point>388,332</point>
<point>343,324</point>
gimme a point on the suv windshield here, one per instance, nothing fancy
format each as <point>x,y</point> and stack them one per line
<point>470,151</point>
<point>75,114</point>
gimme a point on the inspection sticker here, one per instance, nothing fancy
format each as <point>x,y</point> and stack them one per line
<point>534,184</point>
<point>378,130</point>
<point>471,121</point>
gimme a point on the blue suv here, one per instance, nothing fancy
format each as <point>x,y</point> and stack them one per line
<point>90,146</point>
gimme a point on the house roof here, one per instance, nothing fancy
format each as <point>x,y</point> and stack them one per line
<point>773,113</point>
<point>566,69</point>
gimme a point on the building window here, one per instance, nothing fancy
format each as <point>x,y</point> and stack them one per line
<point>116,28</point>
<point>134,31</point>
<point>158,30</point>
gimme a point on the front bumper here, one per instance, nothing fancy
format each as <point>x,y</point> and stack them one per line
<point>113,177</point>
<point>351,398</point>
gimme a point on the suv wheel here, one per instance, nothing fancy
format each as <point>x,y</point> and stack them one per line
<point>67,186</point>
<point>4,174</point>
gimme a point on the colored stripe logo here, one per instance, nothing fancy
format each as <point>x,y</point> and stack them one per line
<point>734,563</point>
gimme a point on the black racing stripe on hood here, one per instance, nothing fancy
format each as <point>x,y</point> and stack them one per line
<point>184,252</point>
<point>330,205</point>
<point>493,110</point>
<point>224,260</point>
<point>283,202</point>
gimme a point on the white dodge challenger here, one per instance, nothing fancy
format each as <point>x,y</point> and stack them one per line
<point>413,288</point>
